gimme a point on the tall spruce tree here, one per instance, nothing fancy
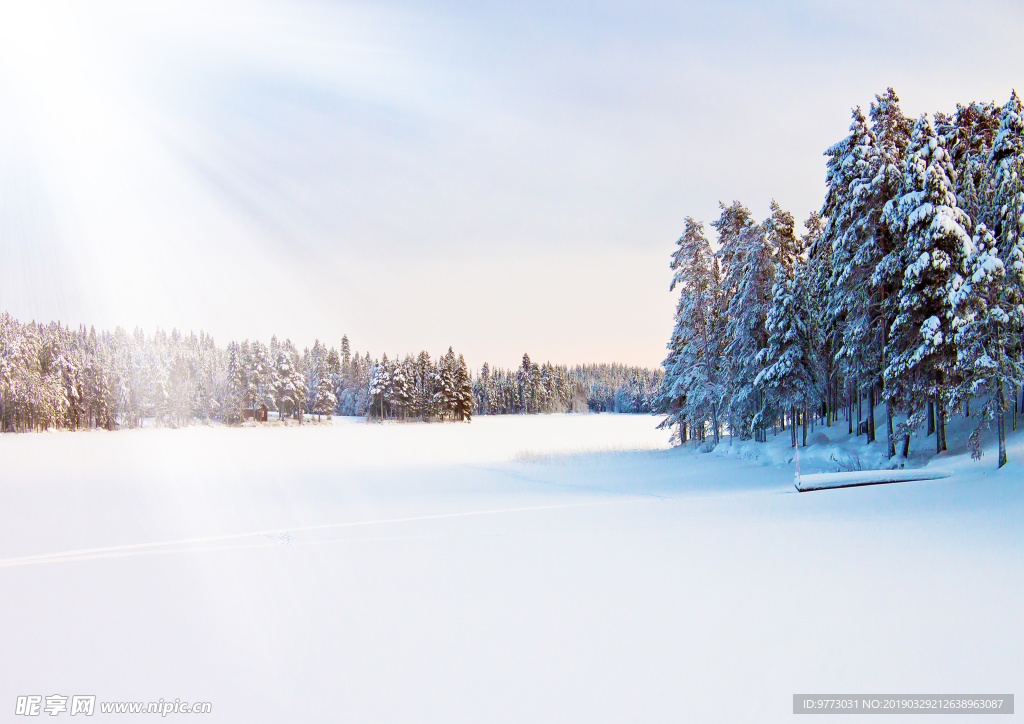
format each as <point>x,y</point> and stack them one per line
<point>988,315</point>
<point>693,385</point>
<point>891,131</point>
<point>921,352</point>
<point>753,274</point>
<point>791,369</point>
<point>463,406</point>
<point>1007,160</point>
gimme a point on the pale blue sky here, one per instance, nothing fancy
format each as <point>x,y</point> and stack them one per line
<point>499,177</point>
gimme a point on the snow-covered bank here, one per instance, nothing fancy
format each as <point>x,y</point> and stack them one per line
<point>831,448</point>
<point>513,569</point>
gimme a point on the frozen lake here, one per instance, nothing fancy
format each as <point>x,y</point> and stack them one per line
<point>552,568</point>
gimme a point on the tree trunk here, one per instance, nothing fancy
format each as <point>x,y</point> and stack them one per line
<point>805,423</point>
<point>906,446</point>
<point>860,408</point>
<point>871,413</point>
<point>931,417</point>
<point>891,442</point>
<point>849,408</point>
<point>942,426</point>
<point>1001,423</point>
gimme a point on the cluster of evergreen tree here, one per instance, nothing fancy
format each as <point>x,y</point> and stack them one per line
<point>418,388</point>
<point>534,388</point>
<point>907,290</point>
<point>52,377</point>
<point>619,388</point>
<point>529,389</point>
<point>55,377</point>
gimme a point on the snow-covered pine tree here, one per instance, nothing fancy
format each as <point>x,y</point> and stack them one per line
<point>314,367</point>
<point>324,401</point>
<point>444,399</point>
<point>988,318</point>
<point>527,391</point>
<point>818,273</point>
<point>290,384</point>
<point>380,389</point>
<point>693,386</point>
<point>485,396</point>
<point>346,354</point>
<point>791,369</point>
<point>753,276</point>
<point>231,408</point>
<point>403,391</point>
<point>848,168</point>
<point>891,131</point>
<point>863,175</point>
<point>463,408</point>
<point>921,354</point>
<point>787,248</point>
<point>1007,161</point>
<point>265,378</point>
<point>423,387</point>
<point>730,226</point>
<point>969,135</point>
<point>733,225</point>
<point>333,367</point>
<point>673,394</point>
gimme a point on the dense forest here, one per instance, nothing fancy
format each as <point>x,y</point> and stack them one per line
<point>55,377</point>
<point>558,388</point>
<point>905,292</point>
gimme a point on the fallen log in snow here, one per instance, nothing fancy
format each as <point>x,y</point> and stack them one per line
<point>825,481</point>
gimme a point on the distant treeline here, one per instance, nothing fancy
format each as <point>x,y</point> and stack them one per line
<point>533,388</point>
<point>54,377</point>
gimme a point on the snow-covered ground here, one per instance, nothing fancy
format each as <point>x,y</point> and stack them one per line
<point>545,569</point>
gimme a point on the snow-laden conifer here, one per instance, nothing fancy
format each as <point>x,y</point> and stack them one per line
<point>463,383</point>
<point>933,229</point>
<point>988,315</point>
<point>1007,160</point>
<point>752,277</point>
<point>790,377</point>
<point>787,248</point>
<point>324,400</point>
<point>695,389</point>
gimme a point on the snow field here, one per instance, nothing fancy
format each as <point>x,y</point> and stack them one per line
<point>496,571</point>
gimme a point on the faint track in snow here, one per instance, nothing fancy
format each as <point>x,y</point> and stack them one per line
<point>281,536</point>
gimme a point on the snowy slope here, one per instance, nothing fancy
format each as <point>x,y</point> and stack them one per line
<point>550,569</point>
